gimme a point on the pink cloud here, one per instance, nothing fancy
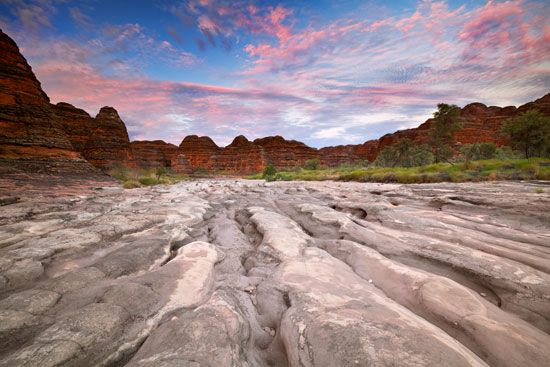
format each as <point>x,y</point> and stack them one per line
<point>225,19</point>
<point>407,24</point>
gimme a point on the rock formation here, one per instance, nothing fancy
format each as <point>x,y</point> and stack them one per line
<point>151,154</point>
<point>283,153</point>
<point>109,145</point>
<point>76,123</point>
<point>31,138</point>
<point>240,157</point>
<point>313,274</point>
<point>194,153</point>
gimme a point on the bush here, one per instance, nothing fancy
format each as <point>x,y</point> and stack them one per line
<point>200,171</point>
<point>160,171</point>
<point>479,151</point>
<point>131,184</point>
<point>148,181</point>
<point>506,152</point>
<point>404,154</point>
<point>283,177</point>
<point>269,171</point>
<point>312,164</point>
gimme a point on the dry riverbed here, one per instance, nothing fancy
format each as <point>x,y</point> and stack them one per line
<point>248,273</point>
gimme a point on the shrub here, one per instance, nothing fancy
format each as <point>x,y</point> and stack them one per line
<point>404,154</point>
<point>506,152</point>
<point>269,171</point>
<point>479,151</point>
<point>119,173</point>
<point>312,164</point>
<point>131,184</point>
<point>160,171</point>
<point>148,181</point>
<point>445,123</point>
<point>200,171</point>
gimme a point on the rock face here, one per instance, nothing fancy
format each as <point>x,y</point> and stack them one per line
<point>240,157</point>
<point>243,273</point>
<point>151,154</point>
<point>194,153</point>
<point>76,123</point>
<point>31,138</point>
<point>109,145</point>
<point>341,154</point>
<point>283,153</point>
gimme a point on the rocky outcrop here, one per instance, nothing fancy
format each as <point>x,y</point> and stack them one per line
<point>283,153</point>
<point>31,138</point>
<point>151,154</point>
<point>240,273</point>
<point>240,157</point>
<point>194,152</point>
<point>76,123</point>
<point>109,145</point>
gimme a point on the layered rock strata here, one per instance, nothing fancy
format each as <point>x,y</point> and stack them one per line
<point>109,146</point>
<point>32,140</point>
<point>151,154</point>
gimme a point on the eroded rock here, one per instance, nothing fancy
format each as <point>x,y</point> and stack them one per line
<point>282,274</point>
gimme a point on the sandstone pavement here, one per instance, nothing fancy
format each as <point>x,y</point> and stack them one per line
<point>248,273</point>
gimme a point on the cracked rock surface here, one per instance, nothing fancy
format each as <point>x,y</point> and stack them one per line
<point>248,273</point>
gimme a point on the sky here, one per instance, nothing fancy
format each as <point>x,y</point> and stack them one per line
<point>322,72</point>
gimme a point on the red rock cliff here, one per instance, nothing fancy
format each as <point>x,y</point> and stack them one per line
<point>194,153</point>
<point>151,154</point>
<point>76,123</point>
<point>283,153</point>
<point>109,145</point>
<point>31,138</point>
<point>240,157</point>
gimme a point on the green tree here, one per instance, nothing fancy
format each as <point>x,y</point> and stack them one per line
<point>530,133</point>
<point>269,172</point>
<point>160,171</point>
<point>404,154</point>
<point>445,124</point>
<point>312,164</point>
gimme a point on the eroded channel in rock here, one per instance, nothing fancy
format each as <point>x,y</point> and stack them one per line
<point>246,273</point>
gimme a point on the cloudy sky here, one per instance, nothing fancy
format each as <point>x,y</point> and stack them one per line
<point>323,72</point>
